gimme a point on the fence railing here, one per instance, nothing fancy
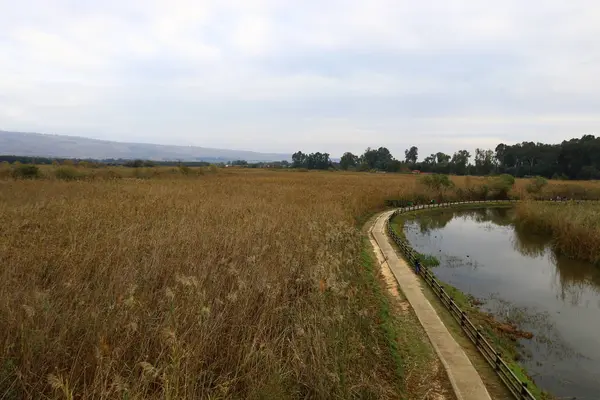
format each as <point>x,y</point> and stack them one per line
<point>517,387</point>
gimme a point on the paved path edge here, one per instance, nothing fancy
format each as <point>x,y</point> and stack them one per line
<point>464,378</point>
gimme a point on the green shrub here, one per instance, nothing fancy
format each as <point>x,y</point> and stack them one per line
<point>67,173</point>
<point>536,185</point>
<point>26,171</point>
<point>500,186</point>
<point>436,181</point>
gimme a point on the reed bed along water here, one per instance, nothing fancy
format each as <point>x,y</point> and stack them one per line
<point>574,226</point>
<point>214,283</point>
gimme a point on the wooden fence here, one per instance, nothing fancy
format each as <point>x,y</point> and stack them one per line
<point>517,387</point>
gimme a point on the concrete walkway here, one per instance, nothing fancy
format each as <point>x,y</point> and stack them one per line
<point>464,378</point>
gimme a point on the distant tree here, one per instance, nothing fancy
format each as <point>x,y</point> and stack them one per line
<point>299,160</point>
<point>394,166</point>
<point>311,161</point>
<point>411,155</point>
<point>384,158</point>
<point>369,158</point>
<point>484,161</point>
<point>430,160</point>
<point>460,161</point>
<point>318,161</point>
<point>377,159</point>
<point>348,160</point>
<point>442,158</point>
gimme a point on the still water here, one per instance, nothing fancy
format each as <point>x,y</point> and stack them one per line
<point>521,279</point>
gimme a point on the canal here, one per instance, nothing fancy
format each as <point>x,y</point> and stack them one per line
<point>521,279</point>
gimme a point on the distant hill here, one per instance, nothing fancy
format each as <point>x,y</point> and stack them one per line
<point>61,146</point>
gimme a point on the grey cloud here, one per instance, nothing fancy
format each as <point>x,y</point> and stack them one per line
<point>321,76</point>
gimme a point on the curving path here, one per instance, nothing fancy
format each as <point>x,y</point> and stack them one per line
<point>464,378</point>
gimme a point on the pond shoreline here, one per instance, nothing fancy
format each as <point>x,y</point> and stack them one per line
<point>503,336</point>
<point>526,284</point>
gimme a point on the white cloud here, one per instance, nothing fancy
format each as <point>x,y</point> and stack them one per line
<point>277,76</point>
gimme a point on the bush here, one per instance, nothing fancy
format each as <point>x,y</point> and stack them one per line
<point>536,185</point>
<point>500,186</point>
<point>437,181</point>
<point>26,171</point>
<point>67,173</point>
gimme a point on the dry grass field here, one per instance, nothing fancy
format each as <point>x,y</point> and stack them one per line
<point>225,284</point>
<point>236,284</point>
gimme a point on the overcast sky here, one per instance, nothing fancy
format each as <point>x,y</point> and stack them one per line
<point>314,75</point>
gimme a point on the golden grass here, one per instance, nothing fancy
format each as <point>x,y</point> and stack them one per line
<point>240,284</point>
<point>574,226</point>
<point>229,284</point>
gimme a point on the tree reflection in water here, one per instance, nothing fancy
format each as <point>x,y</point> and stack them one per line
<point>572,277</point>
<point>438,219</point>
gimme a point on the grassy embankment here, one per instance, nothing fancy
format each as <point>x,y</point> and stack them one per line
<point>226,284</point>
<point>575,227</point>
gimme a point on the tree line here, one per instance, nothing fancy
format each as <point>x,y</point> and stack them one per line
<point>571,159</point>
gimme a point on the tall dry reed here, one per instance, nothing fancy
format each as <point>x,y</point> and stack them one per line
<point>230,285</point>
<point>574,226</point>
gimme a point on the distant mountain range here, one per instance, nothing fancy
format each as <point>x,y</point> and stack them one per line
<point>61,146</point>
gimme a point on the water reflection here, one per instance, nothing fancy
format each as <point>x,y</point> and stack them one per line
<point>575,278</point>
<point>572,276</point>
<point>530,244</point>
<point>438,219</point>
